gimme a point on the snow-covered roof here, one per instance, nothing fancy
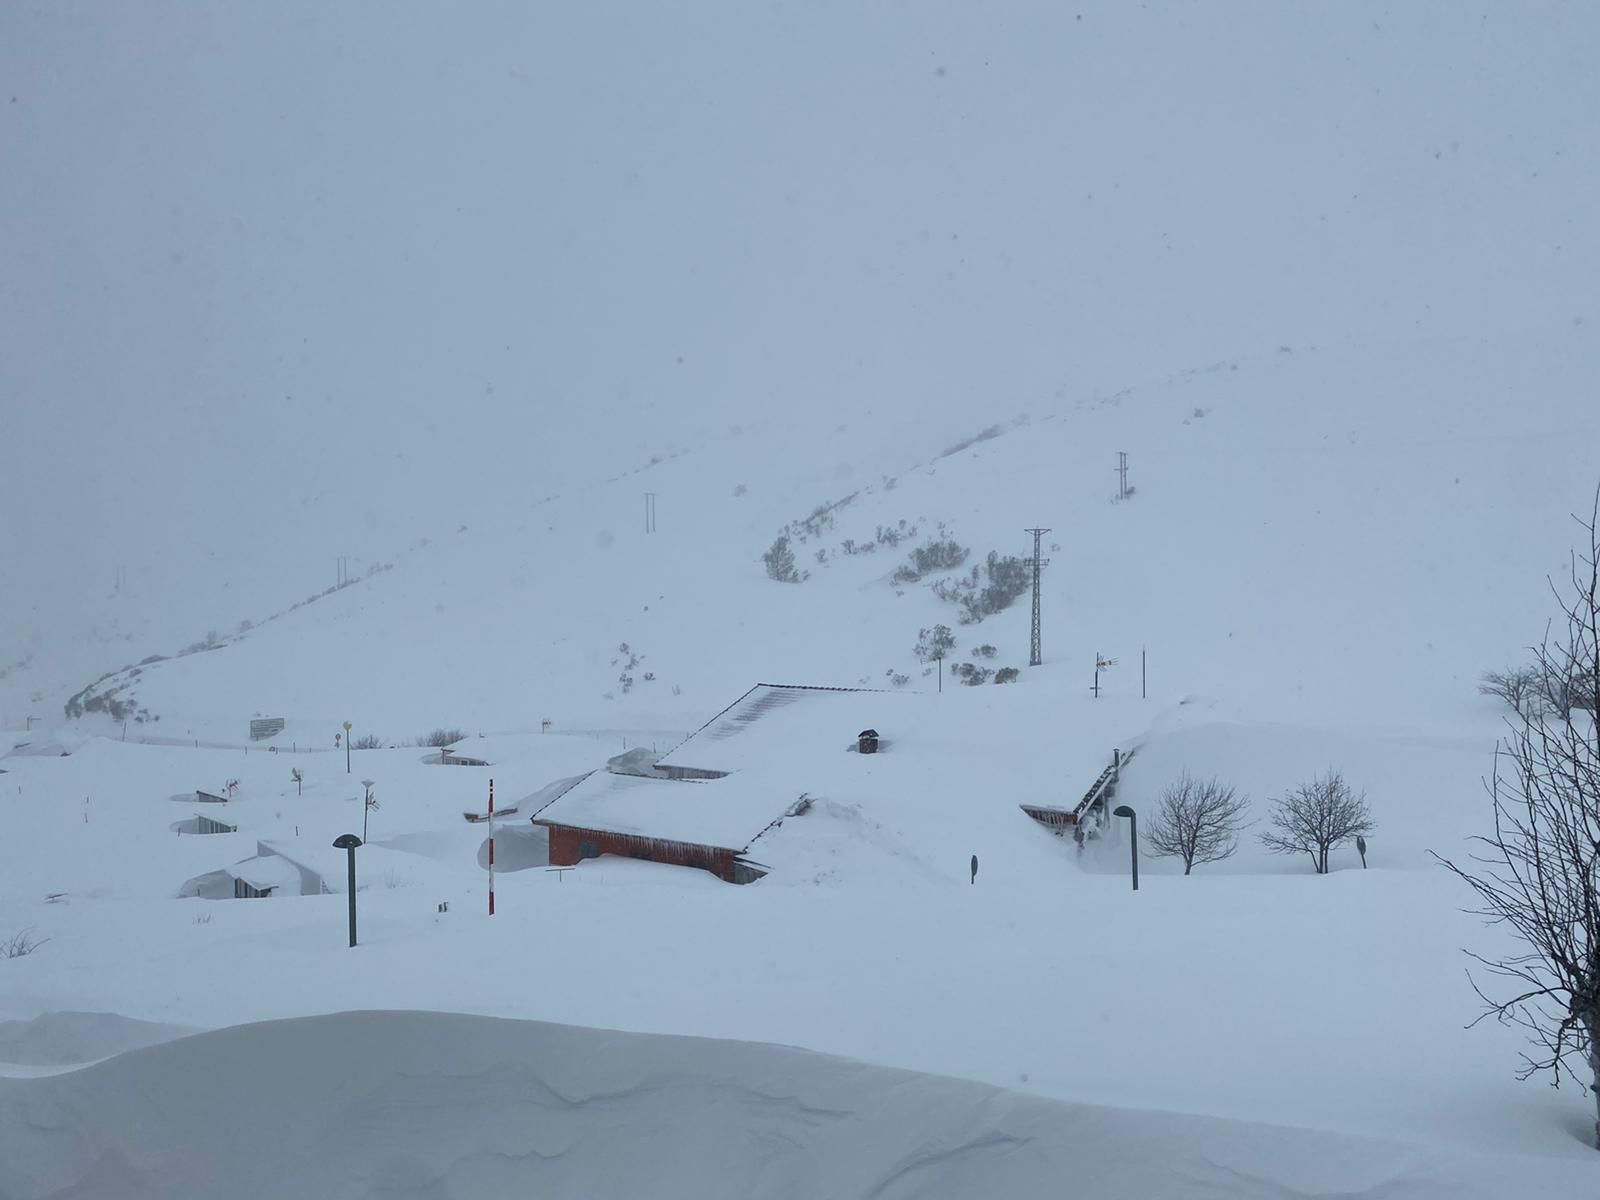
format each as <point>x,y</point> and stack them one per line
<point>268,871</point>
<point>716,812</point>
<point>773,723</point>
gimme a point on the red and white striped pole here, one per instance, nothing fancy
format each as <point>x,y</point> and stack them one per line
<point>491,847</point>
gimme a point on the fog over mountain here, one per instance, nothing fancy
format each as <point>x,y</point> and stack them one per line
<point>293,282</point>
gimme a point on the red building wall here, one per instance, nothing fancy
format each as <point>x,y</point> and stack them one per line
<point>570,845</point>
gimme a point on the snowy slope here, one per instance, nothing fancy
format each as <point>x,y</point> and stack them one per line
<point>1347,534</point>
<point>298,284</point>
<point>432,301</point>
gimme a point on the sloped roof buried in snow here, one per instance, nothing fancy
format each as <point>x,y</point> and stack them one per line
<point>776,723</point>
<point>728,813</point>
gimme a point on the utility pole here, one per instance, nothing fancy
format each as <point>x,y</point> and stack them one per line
<point>344,570</point>
<point>649,512</point>
<point>1122,474</point>
<point>1035,657</point>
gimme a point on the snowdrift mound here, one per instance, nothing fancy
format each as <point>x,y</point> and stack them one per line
<point>64,1038</point>
<point>370,1104</point>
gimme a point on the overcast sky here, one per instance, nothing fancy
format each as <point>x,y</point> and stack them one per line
<point>277,272</point>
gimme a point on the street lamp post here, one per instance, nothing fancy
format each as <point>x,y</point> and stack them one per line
<point>347,747</point>
<point>348,843</point>
<point>1122,810</point>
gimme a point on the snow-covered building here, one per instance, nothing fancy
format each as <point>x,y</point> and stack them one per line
<point>270,872</point>
<point>706,802</point>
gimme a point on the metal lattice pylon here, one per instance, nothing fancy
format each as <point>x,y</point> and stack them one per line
<point>1035,655</point>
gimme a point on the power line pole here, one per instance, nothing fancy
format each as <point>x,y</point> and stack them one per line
<point>649,512</point>
<point>1122,474</point>
<point>1035,657</point>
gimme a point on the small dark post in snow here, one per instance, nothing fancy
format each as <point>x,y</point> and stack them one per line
<point>348,843</point>
<point>974,869</point>
<point>1361,849</point>
<point>1122,810</point>
<point>1144,693</point>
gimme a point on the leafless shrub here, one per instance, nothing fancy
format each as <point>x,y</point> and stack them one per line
<point>1538,872</point>
<point>367,741</point>
<point>1197,820</point>
<point>441,738</point>
<point>1318,817</point>
<point>20,944</point>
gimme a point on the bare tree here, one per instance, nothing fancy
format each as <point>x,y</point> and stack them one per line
<point>1197,820</point>
<point>1525,689</point>
<point>1536,874</point>
<point>1318,817</point>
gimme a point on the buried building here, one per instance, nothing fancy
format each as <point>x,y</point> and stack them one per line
<point>707,802</point>
<point>270,872</point>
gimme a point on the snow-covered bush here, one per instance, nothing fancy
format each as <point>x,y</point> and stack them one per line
<point>937,554</point>
<point>1006,675</point>
<point>1008,577</point>
<point>934,643</point>
<point>970,673</point>
<point>780,561</point>
<point>441,738</point>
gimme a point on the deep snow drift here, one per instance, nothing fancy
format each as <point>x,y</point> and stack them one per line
<point>379,1104</point>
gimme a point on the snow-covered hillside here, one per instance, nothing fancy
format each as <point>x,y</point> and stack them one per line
<point>535,332</point>
<point>273,299</point>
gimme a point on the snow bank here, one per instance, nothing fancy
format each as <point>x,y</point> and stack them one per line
<point>377,1104</point>
<point>59,1038</point>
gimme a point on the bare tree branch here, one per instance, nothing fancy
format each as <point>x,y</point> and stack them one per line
<point>1536,874</point>
<point>1317,817</point>
<point>1197,820</point>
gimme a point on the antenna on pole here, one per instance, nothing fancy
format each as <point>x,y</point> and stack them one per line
<point>1035,657</point>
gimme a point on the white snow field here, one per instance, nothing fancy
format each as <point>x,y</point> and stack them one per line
<point>370,1104</point>
<point>453,369</point>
